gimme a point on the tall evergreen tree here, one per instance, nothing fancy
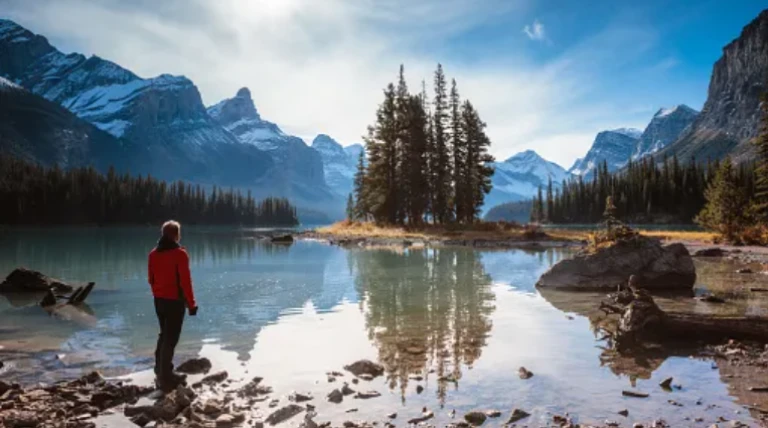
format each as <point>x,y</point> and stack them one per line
<point>351,208</point>
<point>380,178</point>
<point>441,157</point>
<point>477,162</point>
<point>361,197</point>
<point>458,146</point>
<point>539,207</point>
<point>726,204</point>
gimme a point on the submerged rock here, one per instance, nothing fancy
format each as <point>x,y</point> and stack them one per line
<point>27,280</point>
<point>335,396</point>
<point>284,413</point>
<point>475,418</point>
<point>710,252</point>
<point>517,415</point>
<point>365,367</point>
<point>666,383</point>
<point>524,373</point>
<point>655,267</point>
<point>367,394</point>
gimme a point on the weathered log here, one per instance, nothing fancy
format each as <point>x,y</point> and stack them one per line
<point>644,320</point>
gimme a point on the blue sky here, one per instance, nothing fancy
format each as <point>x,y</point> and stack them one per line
<point>545,75</point>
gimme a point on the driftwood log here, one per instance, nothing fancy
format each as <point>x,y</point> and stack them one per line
<point>641,319</point>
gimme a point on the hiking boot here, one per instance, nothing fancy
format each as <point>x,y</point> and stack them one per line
<point>170,382</point>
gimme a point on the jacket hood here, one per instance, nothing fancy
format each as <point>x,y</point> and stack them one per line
<point>165,244</point>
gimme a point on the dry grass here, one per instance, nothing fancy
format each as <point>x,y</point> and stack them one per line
<point>679,235</point>
<point>480,231</point>
<point>486,231</point>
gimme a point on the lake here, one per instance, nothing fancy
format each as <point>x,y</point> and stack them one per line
<point>293,313</point>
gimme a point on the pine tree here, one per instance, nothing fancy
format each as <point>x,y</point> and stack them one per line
<point>381,191</point>
<point>539,207</point>
<point>361,207</point>
<point>476,163</point>
<point>401,178</point>
<point>550,202</point>
<point>760,198</point>
<point>440,154</point>
<point>726,203</point>
<point>458,147</point>
<point>351,208</point>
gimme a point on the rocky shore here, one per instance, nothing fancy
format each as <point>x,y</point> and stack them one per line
<point>214,402</point>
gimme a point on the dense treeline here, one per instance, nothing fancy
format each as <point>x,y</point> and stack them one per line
<point>423,162</point>
<point>518,211</point>
<point>643,192</point>
<point>36,195</point>
<point>729,199</point>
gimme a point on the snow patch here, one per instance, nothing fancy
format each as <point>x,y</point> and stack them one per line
<point>7,84</point>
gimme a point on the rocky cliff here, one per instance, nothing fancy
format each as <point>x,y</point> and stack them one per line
<point>614,147</point>
<point>665,127</point>
<point>731,114</point>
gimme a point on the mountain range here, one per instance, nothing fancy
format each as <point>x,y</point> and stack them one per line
<point>156,126</point>
<point>73,110</point>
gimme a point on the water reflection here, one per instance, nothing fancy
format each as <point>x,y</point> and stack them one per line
<point>425,309</point>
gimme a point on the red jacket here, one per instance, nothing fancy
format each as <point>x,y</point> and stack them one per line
<point>169,275</point>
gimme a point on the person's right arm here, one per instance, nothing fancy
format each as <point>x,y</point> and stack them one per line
<point>185,277</point>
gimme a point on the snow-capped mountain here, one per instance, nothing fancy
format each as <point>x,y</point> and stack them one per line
<point>519,178</point>
<point>298,168</point>
<point>339,163</point>
<point>665,126</point>
<point>614,147</point>
<point>38,130</point>
<point>163,115</point>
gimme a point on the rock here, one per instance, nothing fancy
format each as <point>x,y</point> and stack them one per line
<point>298,397</point>
<point>624,412</point>
<point>560,420</point>
<point>744,270</point>
<point>282,239</point>
<point>419,389</point>
<point>524,373</point>
<point>213,406</point>
<point>475,418</point>
<point>254,388</point>
<point>425,416</point>
<point>366,367</point>
<point>493,413</point>
<point>195,366</point>
<point>666,383</point>
<point>21,419</point>
<point>215,378</point>
<point>634,394</point>
<point>355,381</point>
<point>284,413</point>
<point>141,419</point>
<point>227,420</point>
<point>637,425</point>
<point>709,298</point>
<point>368,394</point>
<point>366,377</point>
<point>392,416</point>
<point>26,280</point>
<point>710,252</point>
<point>346,390</point>
<point>655,266</point>
<point>335,396</point>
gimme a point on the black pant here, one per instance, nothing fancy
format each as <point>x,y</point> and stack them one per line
<point>170,314</point>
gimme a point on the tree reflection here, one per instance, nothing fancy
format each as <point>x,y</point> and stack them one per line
<point>428,311</point>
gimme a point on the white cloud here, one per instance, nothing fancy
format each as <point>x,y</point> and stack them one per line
<point>535,31</point>
<point>320,66</point>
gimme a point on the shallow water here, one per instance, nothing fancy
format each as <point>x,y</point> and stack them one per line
<point>292,313</point>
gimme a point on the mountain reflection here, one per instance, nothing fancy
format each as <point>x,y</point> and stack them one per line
<point>428,311</point>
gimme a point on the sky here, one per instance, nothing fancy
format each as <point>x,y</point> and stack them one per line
<point>544,75</point>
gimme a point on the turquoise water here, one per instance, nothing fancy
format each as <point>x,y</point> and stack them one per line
<point>293,313</point>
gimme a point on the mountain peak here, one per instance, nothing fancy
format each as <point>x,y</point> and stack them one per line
<point>324,140</point>
<point>525,156</point>
<point>244,93</point>
<point>629,132</point>
<point>680,108</point>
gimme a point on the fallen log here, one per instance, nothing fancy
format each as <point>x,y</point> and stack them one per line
<point>643,320</point>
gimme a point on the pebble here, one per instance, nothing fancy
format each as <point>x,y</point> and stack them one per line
<point>475,418</point>
<point>524,373</point>
<point>517,415</point>
<point>624,412</point>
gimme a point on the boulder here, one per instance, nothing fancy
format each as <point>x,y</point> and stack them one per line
<point>655,267</point>
<point>195,366</point>
<point>26,280</point>
<point>284,413</point>
<point>475,418</point>
<point>365,367</point>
